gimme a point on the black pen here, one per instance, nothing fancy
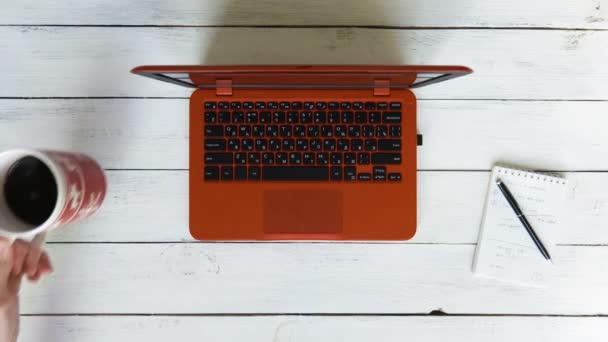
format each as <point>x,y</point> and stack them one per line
<point>522,218</point>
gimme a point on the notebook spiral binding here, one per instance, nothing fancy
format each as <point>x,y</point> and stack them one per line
<point>541,176</point>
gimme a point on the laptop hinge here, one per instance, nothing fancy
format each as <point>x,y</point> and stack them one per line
<point>382,87</point>
<point>223,87</point>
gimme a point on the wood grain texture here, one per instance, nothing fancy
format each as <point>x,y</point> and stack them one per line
<point>450,205</point>
<point>304,278</point>
<point>503,13</point>
<point>508,64</point>
<point>306,329</point>
<point>467,135</point>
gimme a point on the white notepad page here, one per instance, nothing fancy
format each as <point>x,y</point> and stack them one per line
<point>505,250</point>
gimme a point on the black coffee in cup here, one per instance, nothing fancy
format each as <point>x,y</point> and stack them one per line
<point>30,190</point>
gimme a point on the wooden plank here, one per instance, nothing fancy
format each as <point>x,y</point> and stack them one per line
<point>509,64</point>
<point>503,13</point>
<point>153,133</point>
<point>446,215</point>
<point>320,329</point>
<point>304,278</point>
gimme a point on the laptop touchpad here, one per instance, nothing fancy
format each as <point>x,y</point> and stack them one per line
<point>302,211</point>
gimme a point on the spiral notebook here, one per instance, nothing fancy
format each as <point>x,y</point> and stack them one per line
<point>505,251</point>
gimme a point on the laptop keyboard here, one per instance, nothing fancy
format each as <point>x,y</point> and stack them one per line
<point>302,141</point>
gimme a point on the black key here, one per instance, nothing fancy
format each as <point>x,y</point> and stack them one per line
<point>308,158</point>
<point>336,158</point>
<point>224,117</point>
<point>368,131</point>
<point>345,105</point>
<point>289,145</point>
<point>254,173</point>
<point>313,131</point>
<point>395,131</point>
<point>247,144</point>
<point>299,131</point>
<point>251,117</point>
<point>244,131</point>
<point>272,131</point>
<point>329,145</point>
<point>284,105</point>
<point>350,173</point>
<point>261,144</point>
<point>212,173</point>
<point>238,117</point>
<point>210,117</point>
<point>224,105</point>
<point>306,117</point>
<point>215,144</point>
<point>370,105</point>
<point>333,106</point>
<point>296,105</point>
<point>389,145</point>
<point>356,145</point>
<point>322,105</point>
<point>347,117</point>
<point>273,105</point>
<point>340,131</point>
<point>386,158</point>
<point>391,117</point>
<point>350,158</point>
<point>320,117</point>
<point>309,105</point>
<point>382,105</point>
<point>333,117</point>
<point>342,144</point>
<point>281,158</point>
<point>210,105</point>
<point>260,105</point>
<point>315,145</point>
<point>275,145</point>
<point>327,131</point>
<point>227,173</point>
<point>302,145</point>
<point>394,177</point>
<point>214,131</point>
<point>295,173</point>
<point>235,105</point>
<point>395,105</point>
<point>292,117</point>
<point>381,131</point>
<point>323,158</point>
<point>360,117</point>
<point>357,105</point>
<point>365,177</point>
<point>370,145</point>
<point>354,131</point>
<point>240,173</point>
<point>265,117</point>
<point>374,117</point>
<point>230,131</point>
<point>286,131</point>
<point>234,144</point>
<point>258,131</point>
<point>336,173</point>
<point>295,158</point>
<point>363,158</point>
<point>248,105</point>
<point>268,158</point>
<point>278,117</point>
<point>254,158</point>
<point>218,158</point>
<point>379,173</point>
<point>240,158</point>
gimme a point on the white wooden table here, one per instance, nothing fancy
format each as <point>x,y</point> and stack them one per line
<point>538,97</point>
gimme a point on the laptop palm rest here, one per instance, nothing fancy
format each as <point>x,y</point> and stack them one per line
<point>302,212</point>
